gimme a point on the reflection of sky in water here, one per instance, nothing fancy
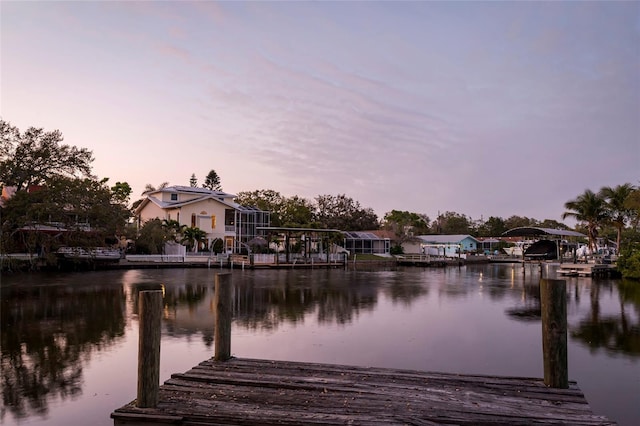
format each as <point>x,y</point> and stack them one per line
<point>477,319</point>
<point>444,325</point>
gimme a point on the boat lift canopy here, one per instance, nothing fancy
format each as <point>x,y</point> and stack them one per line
<point>533,231</point>
<point>556,235</point>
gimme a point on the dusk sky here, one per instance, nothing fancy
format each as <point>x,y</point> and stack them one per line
<point>481,108</point>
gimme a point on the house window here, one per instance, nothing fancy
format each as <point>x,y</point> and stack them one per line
<point>213,221</point>
<point>174,197</point>
<point>193,220</point>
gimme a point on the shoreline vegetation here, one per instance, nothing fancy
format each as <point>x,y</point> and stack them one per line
<point>50,199</point>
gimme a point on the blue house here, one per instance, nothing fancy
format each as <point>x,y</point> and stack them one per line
<point>448,245</point>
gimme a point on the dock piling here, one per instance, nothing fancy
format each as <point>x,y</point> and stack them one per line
<point>222,301</point>
<point>553,301</point>
<point>150,310</point>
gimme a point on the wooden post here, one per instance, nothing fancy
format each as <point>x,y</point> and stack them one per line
<point>150,311</point>
<point>553,301</point>
<point>222,302</point>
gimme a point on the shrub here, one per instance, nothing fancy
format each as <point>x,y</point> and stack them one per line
<point>629,264</point>
<point>397,249</point>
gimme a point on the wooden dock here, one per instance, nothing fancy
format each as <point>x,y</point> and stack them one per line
<point>585,269</point>
<point>263,392</point>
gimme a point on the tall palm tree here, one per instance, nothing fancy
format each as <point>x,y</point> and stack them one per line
<point>590,209</point>
<point>619,213</point>
<point>193,236</point>
<point>150,188</point>
<point>633,204</point>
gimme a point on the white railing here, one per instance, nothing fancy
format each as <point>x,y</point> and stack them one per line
<point>156,258</point>
<point>315,258</point>
<point>416,257</point>
<point>264,258</point>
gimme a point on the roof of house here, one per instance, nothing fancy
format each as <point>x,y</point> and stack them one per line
<point>192,190</point>
<point>360,235</point>
<point>384,233</point>
<point>204,194</point>
<point>443,239</point>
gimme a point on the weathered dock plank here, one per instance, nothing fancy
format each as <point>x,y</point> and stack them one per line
<point>585,269</point>
<point>264,392</point>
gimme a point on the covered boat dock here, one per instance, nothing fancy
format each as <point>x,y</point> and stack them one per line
<point>544,236</point>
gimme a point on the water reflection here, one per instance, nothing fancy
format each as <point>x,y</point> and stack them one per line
<point>47,335</point>
<point>617,333</point>
<point>614,332</point>
<point>265,301</point>
<point>52,325</point>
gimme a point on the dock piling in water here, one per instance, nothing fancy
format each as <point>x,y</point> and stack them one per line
<point>150,310</point>
<point>553,301</point>
<point>222,301</point>
<point>268,392</point>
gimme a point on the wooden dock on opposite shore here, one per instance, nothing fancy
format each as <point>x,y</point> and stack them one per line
<point>264,392</point>
<point>586,269</point>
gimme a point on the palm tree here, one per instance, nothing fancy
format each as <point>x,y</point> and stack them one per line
<point>633,204</point>
<point>590,209</point>
<point>174,227</point>
<point>615,199</point>
<point>193,236</point>
<point>150,188</point>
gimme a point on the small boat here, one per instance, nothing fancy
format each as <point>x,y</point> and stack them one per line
<point>518,249</point>
<point>97,253</point>
<point>542,250</point>
<point>513,251</point>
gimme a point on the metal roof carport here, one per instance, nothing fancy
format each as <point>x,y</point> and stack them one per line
<point>548,233</point>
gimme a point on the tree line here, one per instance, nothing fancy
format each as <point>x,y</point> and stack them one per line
<point>54,184</point>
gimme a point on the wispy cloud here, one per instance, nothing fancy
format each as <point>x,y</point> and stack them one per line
<point>485,108</point>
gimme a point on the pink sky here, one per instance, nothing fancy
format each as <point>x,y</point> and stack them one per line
<point>482,108</point>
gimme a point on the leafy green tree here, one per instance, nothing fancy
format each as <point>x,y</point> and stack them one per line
<point>452,223</point>
<point>264,199</point>
<point>590,209</point>
<point>405,225</point>
<point>83,209</point>
<point>493,227</point>
<point>212,181</point>
<point>193,236</point>
<point>193,181</point>
<point>519,221</point>
<point>152,237</point>
<point>296,212</point>
<point>629,264</point>
<point>618,212</point>
<point>121,192</point>
<point>553,224</point>
<point>342,212</point>
<point>34,157</point>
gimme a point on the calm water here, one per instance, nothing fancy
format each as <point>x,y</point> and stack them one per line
<point>69,341</point>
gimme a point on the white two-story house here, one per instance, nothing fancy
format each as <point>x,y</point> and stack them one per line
<point>214,212</point>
